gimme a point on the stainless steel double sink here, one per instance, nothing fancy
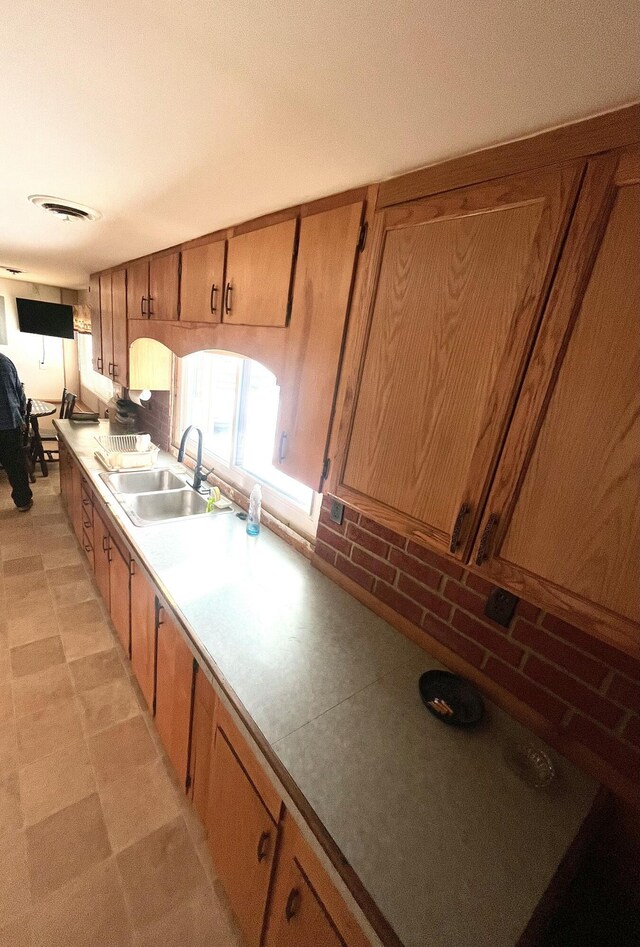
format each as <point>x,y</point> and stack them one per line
<point>154,496</point>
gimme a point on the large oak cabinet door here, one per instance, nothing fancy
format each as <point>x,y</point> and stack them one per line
<point>164,287</point>
<point>324,274</point>
<point>119,594</point>
<point>143,634</point>
<point>204,713</point>
<point>456,298</point>
<point>241,838</point>
<point>101,555</point>
<point>174,679</point>
<point>138,289</point>
<point>96,324</point>
<point>299,919</point>
<point>562,522</point>
<point>202,283</point>
<point>106,321</point>
<point>119,327</point>
<point>259,268</point>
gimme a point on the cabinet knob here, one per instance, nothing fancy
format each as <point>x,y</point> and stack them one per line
<point>227,299</point>
<point>483,547</point>
<point>293,902</point>
<point>212,298</point>
<point>263,846</point>
<point>142,300</point>
<point>457,527</point>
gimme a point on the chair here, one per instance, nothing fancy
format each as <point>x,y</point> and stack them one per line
<point>67,404</point>
<point>27,443</point>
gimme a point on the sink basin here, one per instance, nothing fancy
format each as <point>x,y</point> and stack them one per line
<point>146,508</point>
<point>145,481</point>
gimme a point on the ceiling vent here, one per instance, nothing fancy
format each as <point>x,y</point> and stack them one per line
<point>65,210</point>
<point>11,269</point>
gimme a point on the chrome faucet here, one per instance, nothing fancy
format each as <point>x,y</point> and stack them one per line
<point>199,474</point>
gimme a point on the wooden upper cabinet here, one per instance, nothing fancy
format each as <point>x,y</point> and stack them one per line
<point>202,282</point>
<point>96,325</point>
<point>258,280</point>
<point>164,286</point>
<point>119,327</point>
<point>174,679</point>
<point>324,275</point>
<point>138,289</point>
<point>456,290</point>
<point>562,522</point>
<point>106,322</point>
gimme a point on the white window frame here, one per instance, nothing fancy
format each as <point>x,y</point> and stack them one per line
<point>276,503</point>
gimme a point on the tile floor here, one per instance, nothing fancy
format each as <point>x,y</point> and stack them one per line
<point>98,846</point>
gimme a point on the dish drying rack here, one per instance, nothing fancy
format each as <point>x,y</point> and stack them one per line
<point>119,452</point>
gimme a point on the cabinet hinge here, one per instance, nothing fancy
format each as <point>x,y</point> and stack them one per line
<point>196,666</point>
<point>362,238</point>
<point>289,307</point>
<point>296,244</point>
<point>325,468</point>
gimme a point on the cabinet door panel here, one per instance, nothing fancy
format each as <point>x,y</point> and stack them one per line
<point>119,594</point>
<point>138,290</point>
<point>106,321</point>
<point>204,710</point>
<point>76,501</point>
<point>202,283</point>
<point>101,555</point>
<point>119,322</point>
<point>455,305</point>
<point>259,267</point>
<point>324,273</point>
<point>143,634</point>
<point>242,839</point>
<point>567,496</point>
<point>96,324</point>
<point>174,678</point>
<point>301,920</point>
<point>164,287</point>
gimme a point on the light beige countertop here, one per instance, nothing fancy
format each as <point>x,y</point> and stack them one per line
<point>451,845</point>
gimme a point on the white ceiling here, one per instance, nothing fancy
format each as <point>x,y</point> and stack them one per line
<point>177,117</point>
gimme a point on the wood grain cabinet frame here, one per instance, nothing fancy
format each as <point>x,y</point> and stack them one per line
<point>562,521</point>
<point>259,273</point>
<point>454,291</point>
<point>202,282</point>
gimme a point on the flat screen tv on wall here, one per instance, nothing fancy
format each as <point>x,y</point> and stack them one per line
<point>42,318</point>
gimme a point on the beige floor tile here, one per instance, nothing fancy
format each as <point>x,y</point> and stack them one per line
<point>88,912</point>
<point>22,566</point>
<point>110,703</point>
<point>17,933</point>
<point>13,549</point>
<point>6,702</point>
<point>60,551</point>
<point>15,891</point>
<point>44,516</point>
<point>55,782</point>
<point>36,691</point>
<point>54,530</point>
<point>37,656</point>
<point>88,638</point>
<point>73,592</point>
<point>200,922</point>
<point>8,746</point>
<point>138,804</point>
<point>123,747</point>
<point>63,575</point>
<point>48,730</point>
<point>17,587</point>
<point>35,603</point>
<point>82,613</point>
<point>43,624</point>
<point>10,811</point>
<point>96,669</point>
<point>160,872</point>
<point>66,844</point>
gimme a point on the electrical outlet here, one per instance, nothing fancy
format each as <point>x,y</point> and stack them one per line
<point>337,512</point>
<point>500,607</point>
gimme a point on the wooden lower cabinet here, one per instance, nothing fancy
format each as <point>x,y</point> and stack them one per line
<point>205,704</point>
<point>174,693</point>
<point>305,908</point>
<point>101,556</point>
<point>76,501</point>
<point>119,594</point>
<point>143,634</point>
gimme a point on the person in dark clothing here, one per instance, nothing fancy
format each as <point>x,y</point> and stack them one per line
<point>12,410</point>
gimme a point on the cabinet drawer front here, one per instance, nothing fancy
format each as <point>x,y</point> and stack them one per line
<point>242,839</point>
<point>456,300</point>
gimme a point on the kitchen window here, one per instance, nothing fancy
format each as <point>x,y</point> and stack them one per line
<point>100,386</point>
<point>234,401</point>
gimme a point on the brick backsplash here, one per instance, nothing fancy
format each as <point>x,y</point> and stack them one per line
<point>156,418</point>
<point>584,687</point>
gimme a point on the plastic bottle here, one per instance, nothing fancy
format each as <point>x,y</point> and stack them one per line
<point>255,504</point>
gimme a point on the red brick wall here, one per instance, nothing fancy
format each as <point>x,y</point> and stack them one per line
<point>156,418</point>
<point>581,685</point>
